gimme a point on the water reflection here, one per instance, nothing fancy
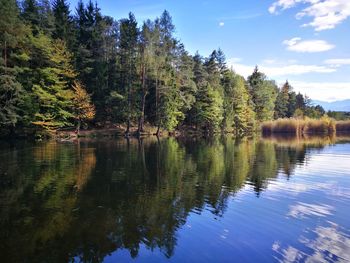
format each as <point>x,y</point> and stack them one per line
<point>330,244</point>
<point>83,201</point>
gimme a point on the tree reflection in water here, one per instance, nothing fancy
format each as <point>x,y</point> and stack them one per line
<point>85,200</point>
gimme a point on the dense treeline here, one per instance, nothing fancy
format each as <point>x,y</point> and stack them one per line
<point>61,68</point>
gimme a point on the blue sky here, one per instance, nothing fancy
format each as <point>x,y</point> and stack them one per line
<point>304,41</point>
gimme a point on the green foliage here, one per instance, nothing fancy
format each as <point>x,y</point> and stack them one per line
<point>208,109</point>
<point>339,115</point>
<point>238,114</point>
<point>51,88</point>
<point>282,102</point>
<point>134,74</point>
<point>63,22</point>
<point>11,93</point>
<point>263,93</point>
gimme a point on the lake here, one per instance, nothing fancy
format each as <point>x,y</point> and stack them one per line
<point>176,200</point>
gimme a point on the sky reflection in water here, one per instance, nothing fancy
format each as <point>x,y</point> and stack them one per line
<point>176,200</point>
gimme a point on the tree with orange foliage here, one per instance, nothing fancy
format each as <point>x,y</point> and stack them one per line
<point>84,109</point>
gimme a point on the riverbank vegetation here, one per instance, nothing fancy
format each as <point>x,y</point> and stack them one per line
<point>295,126</point>
<point>61,69</point>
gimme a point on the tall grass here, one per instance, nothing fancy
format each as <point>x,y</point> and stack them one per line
<point>297,127</point>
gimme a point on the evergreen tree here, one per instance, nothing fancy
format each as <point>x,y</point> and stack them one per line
<point>12,35</point>
<point>282,101</point>
<point>128,48</point>
<point>64,28</point>
<point>11,93</point>
<point>207,112</point>
<point>292,104</point>
<point>184,66</point>
<point>147,42</point>
<point>300,102</point>
<point>208,109</point>
<point>133,74</point>
<point>30,14</point>
<point>263,93</point>
<point>96,57</point>
<point>47,19</point>
<point>167,97</point>
<point>238,114</point>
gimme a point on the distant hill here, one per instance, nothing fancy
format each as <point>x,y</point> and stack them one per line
<point>339,105</point>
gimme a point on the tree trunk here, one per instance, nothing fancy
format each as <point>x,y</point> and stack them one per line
<point>158,130</point>
<point>77,131</point>
<point>5,55</point>
<point>157,115</point>
<point>127,132</point>
<point>12,131</point>
<point>143,101</point>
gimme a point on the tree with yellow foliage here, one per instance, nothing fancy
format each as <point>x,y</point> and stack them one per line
<point>84,109</point>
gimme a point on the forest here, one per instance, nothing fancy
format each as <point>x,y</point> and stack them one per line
<point>63,68</point>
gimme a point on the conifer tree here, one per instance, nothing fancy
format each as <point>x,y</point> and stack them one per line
<point>128,48</point>
<point>263,93</point>
<point>282,101</point>
<point>12,34</point>
<point>64,28</point>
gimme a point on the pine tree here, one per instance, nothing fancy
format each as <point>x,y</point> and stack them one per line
<point>166,93</point>
<point>47,19</point>
<point>282,101</point>
<point>12,34</point>
<point>64,28</point>
<point>292,104</point>
<point>208,109</point>
<point>238,114</point>
<point>207,112</point>
<point>263,93</point>
<point>11,94</point>
<point>300,102</point>
<point>31,14</point>
<point>96,56</point>
<point>128,48</point>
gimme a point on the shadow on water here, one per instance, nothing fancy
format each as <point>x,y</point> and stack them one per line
<point>82,200</point>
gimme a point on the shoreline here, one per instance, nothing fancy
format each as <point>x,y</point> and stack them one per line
<point>279,128</point>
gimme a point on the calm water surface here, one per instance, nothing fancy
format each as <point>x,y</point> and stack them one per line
<point>217,200</point>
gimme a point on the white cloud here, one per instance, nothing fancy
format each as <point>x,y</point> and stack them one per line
<point>269,61</point>
<point>280,70</point>
<point>325,243</point>
<point>302,210</point>
<point>235,60</point>
<point>337,61</point>
<point>221,24</point>
<point>325,14</point>
<point>325,91</point>
<point>307,46</point>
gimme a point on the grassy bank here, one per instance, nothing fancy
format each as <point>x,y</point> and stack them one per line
<point>298,127</point>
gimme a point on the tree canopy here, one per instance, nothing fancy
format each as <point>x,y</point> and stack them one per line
<point>59,68</point>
